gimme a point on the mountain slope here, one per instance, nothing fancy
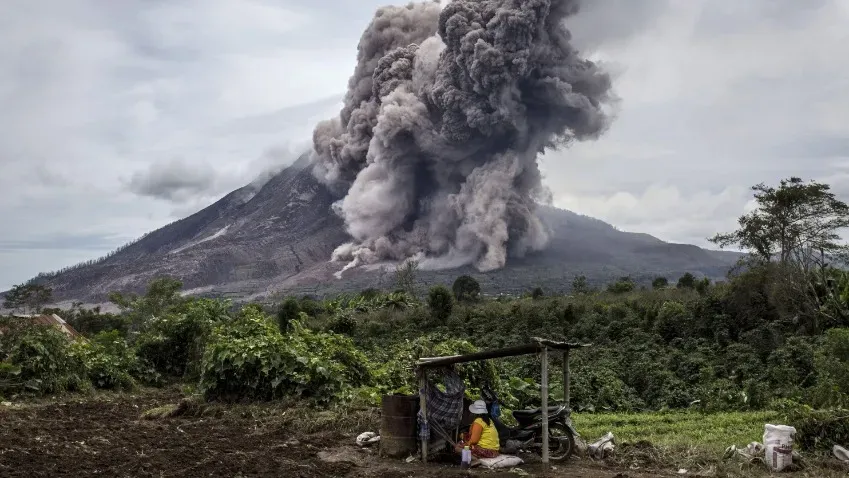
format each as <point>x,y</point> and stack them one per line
<point>258,241</point>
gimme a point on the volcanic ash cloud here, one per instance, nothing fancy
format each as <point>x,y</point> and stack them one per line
<point>435,150</point>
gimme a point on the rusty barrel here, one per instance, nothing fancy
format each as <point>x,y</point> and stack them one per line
<point>398,425</point>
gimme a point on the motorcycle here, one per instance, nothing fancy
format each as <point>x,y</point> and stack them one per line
<point>527,435</point>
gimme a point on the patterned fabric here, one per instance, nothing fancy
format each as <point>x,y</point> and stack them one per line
<point>479,452</point>
<point>443,408</point>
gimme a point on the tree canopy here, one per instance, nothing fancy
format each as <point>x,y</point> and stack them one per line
<point>797,222</point>
<point>405,276</point>
<point>162,296</point>
<point>466,288</point>
<point>30,297</point>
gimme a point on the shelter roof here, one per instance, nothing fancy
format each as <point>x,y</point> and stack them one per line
<point>535,346</point>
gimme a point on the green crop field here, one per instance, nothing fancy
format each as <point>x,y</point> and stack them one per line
<point>709,432</point>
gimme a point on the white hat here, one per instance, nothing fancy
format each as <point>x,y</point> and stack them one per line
<point>478,408</point>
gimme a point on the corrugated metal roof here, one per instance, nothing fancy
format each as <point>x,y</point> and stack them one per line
<point>51,319</point>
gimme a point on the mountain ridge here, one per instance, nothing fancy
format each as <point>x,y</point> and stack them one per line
<point>265,239</point>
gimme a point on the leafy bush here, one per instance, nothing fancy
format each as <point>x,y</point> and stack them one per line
<point>673,320</point>
<point>394,370</point>
<point>441,302</point>
<point>342,323</point>
<point>108,361</point>
<point>40,362</point>
<point>521,393</point>
<point>9,378</point>
<point>466,288</point>
<point>172,345</point>
<point>832,366</point>
<point>309,306</point>
<point>596,387</point>
<point>90,322</point>
<point>791,367</point>
<point>621,286</point>
<point>687,281</point>
<point>161,298</point>
<point>580,285</point>
<point>817,430</point>
<point>703,286</point>
<point>250,358</point>
<point>289,310</point>
<point>660,283</point>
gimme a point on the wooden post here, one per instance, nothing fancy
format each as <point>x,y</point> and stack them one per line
<point>544,396</point>
<point>566,384</point>
<point>423,407</point>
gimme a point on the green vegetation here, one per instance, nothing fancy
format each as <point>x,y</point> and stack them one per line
<point>623,285</point>
<point>708,358</point>
<point>288,312</point>
<point>38,360</point>
<point>441,303</point>
<point>250,358</point>
<point>108,361</point>
<point>466,289</point>
<point>27,297</point>
<point>580,285</point>
<point>709,432</point>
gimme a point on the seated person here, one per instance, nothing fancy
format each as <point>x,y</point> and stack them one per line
<point>483,437</point>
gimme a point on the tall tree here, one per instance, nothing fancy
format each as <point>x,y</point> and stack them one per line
<point>580,285</point>
<point>405,276</point>
<point>441,302</point>
<point>794,233</point>
<point>29,297</point>
<point>686,281</point>
<point>288,311</point>
<point>466,289</point>
<point>162,297</point>
<point>797,222</point>
<point>623,285</point>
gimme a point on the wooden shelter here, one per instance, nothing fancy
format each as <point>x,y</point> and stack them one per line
<point>538,346</point>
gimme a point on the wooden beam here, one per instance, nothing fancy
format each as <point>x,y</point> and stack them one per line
<point>566,379</point>
<point>484,355</point>
<point>423,407</point>
<point>531,348</point>
<point>544,395</point>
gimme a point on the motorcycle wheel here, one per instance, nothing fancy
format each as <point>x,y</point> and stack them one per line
<point>561,443</point>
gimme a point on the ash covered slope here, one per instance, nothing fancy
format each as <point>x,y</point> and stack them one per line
<point>240,244</point>
<point>281,237</point>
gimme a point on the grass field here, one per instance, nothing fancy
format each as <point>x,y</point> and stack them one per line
<point>694,441</point>
<point>709,432</point>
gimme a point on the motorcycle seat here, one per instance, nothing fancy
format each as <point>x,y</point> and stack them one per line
<point>535,411</point>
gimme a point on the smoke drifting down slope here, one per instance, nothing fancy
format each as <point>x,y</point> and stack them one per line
<point>435,150</point>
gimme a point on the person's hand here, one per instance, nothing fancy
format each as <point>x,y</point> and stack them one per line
<point>458,447</point>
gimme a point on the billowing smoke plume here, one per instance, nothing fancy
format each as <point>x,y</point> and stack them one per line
<point>435,149</point>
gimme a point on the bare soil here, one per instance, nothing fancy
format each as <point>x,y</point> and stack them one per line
<point>107,436</point>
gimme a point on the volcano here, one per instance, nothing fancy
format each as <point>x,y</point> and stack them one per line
<point>277,239</point>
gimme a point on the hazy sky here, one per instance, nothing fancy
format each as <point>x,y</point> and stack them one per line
<point>119,117</point>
